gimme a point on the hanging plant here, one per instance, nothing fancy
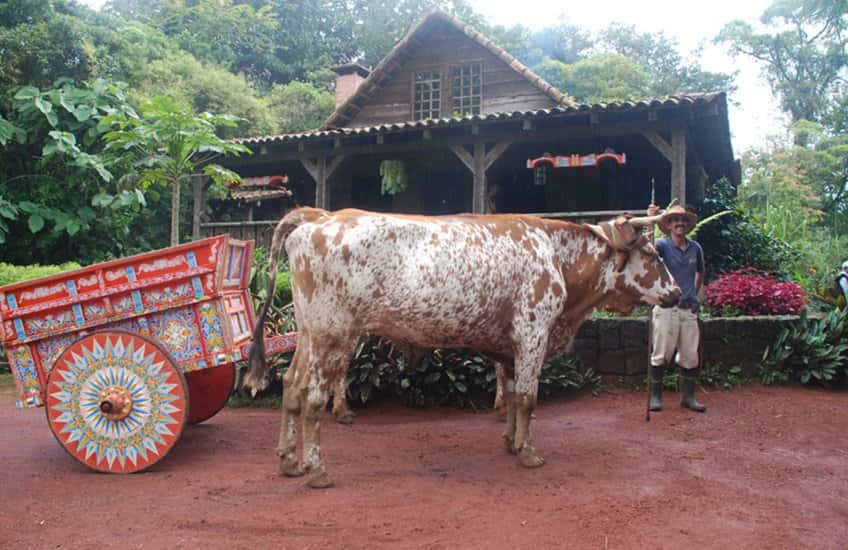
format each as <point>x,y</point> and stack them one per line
<point>394,177</point>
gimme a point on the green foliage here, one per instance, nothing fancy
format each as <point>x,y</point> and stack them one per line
<point>599,79</point>
<point>205,87</point>
<point>299,106</point>
<point>10,274</point>
<point>802,52</point>
<point>718,376</point>
<point>168,145</point>
<point>811,351</point>
<point>658,55</point>
<point>733,242</point>
<point>52,171</point>
<point>394,179</point>
<point>566,373</point>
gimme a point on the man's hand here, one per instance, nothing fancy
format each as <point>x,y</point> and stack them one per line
<point>653,209</point>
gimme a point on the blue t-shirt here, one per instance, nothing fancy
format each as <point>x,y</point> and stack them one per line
<point>683,264</point>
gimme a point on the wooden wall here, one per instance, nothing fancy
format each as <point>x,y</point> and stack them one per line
<point>503,90</point>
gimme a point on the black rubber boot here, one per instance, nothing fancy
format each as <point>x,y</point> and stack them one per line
<point>655,381</point>
<point>687,390</point>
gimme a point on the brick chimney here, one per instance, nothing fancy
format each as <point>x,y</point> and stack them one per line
<point>348,78</point>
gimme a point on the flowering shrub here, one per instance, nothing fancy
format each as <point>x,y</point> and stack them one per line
<point>751,291</point>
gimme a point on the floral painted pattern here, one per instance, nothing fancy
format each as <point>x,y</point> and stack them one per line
<point>49,349</point>
<point>26,377</point>
<point>177,330</point>
<point>211,326</point>
<point>164,297</point>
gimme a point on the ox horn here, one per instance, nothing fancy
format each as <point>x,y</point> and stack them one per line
<point>645,221</point>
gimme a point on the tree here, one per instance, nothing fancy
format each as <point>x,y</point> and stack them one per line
<point>51,170</point>
<point>168,145</point>
<point>299,106</point>
<point>803,53</point>
<point>601,78</point>
<point>660,56</point>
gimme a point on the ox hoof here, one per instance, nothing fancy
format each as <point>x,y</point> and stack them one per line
<point>509,444</point>
<point>290,468</point>
<point>529,458</point>
<point>319,480</point>
<point>345,418</point>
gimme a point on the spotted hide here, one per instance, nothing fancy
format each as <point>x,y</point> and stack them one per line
<point>515,288</point>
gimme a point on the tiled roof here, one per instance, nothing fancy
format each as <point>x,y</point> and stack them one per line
<point>674,101</point>
<point>389,64</point>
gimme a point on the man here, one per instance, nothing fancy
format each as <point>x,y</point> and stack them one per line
<point>675,328</point>
<point>842,280</point>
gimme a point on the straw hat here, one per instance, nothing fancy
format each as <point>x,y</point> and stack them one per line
<point>677,210</point>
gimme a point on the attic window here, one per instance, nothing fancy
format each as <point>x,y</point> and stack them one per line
<point>466,90</point>
<point>428,95</point>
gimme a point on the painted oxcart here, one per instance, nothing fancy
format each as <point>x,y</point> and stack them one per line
<point>125,353</point>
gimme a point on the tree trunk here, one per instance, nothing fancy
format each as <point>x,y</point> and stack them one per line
<point>175,213</point>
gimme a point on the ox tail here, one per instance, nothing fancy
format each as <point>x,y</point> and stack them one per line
<point>255,378</point>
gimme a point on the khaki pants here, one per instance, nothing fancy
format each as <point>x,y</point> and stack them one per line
<point>675,329</point>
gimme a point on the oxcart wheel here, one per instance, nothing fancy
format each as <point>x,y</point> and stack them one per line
<point>116,401</point>
<point>208,390</point>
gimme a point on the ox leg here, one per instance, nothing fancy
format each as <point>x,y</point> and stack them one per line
<point>287,448</point>
<point>506,379</point>
<point>341,410</point>
<point>528,367</point>
<point>500,402</point>
<point>322,371</point>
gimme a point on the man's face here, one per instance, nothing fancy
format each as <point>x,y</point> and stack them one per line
<point>679,225</point>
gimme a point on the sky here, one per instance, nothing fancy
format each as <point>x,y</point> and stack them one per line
<point>754,113</point>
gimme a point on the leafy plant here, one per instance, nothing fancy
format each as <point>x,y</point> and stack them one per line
<point>812,350</point>
<point>168,145</point>
<point>448,377</point>
<point>566,373</point>
<point>394,179</point>
<point>751,291</point>
<point>718,376</point>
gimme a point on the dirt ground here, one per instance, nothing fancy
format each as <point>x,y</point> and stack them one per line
<point>764,468</point>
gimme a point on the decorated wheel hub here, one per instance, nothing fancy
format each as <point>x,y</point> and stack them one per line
<point>116,401</point>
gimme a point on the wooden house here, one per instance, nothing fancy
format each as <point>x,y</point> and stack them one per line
<point>462,117</point>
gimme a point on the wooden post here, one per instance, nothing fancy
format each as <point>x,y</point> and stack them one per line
<point>477,163</point>
<point>478,201</point>
<point>321,170</point>
<point>678,164</point>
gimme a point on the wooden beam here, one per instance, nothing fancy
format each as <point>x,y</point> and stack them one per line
<point>440,142</point>
<point>478,199</point>
<point>678,164</point>
<point>463,155</point>
<point>659,144</point>
<point>311,167</point>
<point>493,155</point>
<point>333,165</point>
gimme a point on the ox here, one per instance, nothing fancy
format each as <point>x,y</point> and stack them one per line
<point>514,288</point>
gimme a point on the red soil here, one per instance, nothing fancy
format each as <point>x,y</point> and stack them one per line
<point>763,468</point>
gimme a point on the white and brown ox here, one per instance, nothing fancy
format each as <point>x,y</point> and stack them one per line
<point>515,288</point>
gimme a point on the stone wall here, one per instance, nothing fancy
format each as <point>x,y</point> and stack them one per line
<point>619,346</point>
